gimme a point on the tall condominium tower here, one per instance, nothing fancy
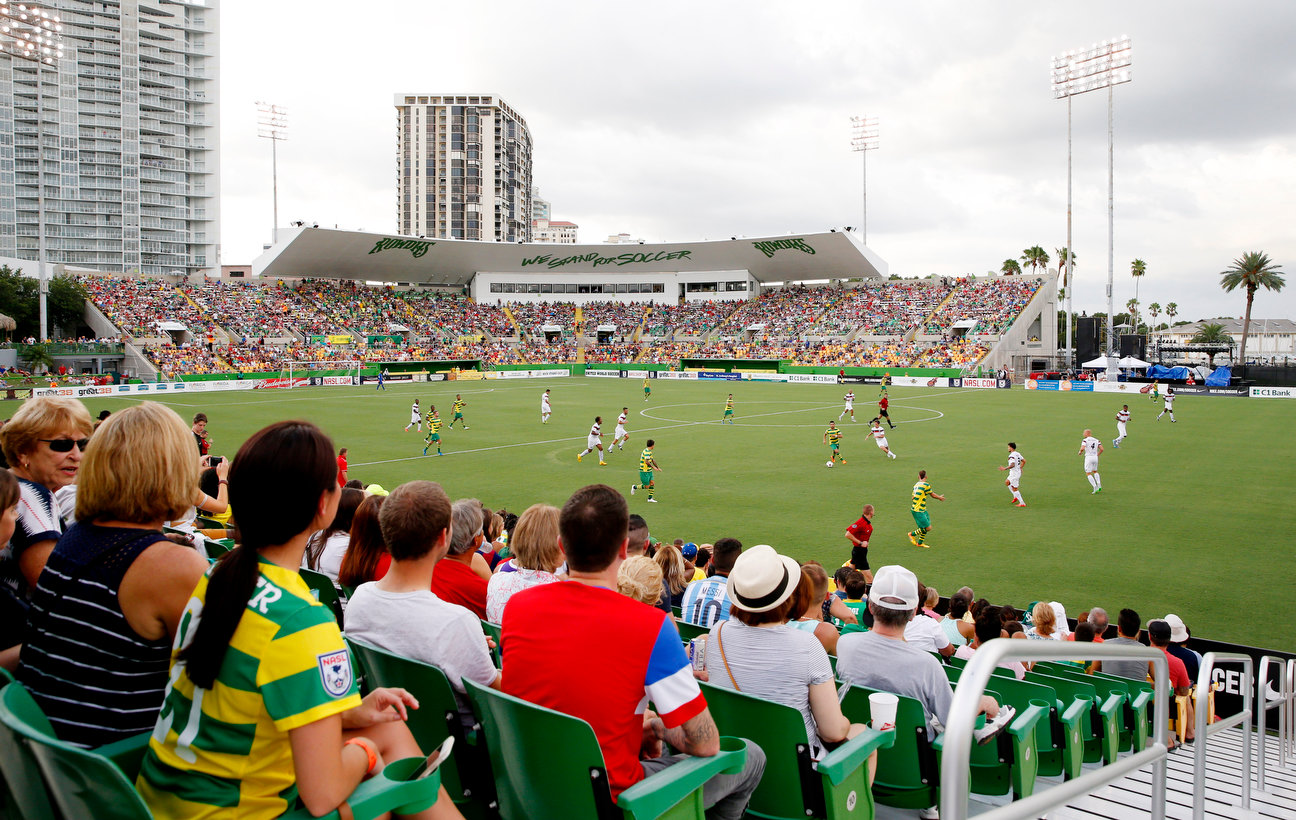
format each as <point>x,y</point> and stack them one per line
<point>463,168</point>
<point>128,138</point>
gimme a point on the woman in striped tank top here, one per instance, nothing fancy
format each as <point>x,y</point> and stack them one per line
<point>108,601</point>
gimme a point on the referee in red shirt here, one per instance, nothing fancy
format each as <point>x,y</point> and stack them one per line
<point>882,410</point>
<point>859,534</point>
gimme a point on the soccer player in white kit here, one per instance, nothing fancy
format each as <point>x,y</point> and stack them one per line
<point>620,437</point>
<point>850,406</point>
<point>545,409</point>
<point>1122,418</point>
<point>594,442</point>
<point>1169,405</point>
<point>1014,468</point>
<point>416,420</point>
<point>1092,448</point>
<point>879,435</point>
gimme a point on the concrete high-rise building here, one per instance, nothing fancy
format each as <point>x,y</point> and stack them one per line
<point>129,140</point>
<point>540,208</point>
<point>463,168</point>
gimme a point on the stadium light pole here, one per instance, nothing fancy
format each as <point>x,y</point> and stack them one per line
<point>272,124</point>
<point>35,34</point>
<point>864,138</point>
<point>1102,65</point>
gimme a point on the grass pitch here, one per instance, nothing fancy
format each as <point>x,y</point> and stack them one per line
<point>1191,520</point>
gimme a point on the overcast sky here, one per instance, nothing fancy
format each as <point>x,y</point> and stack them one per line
<point>691,120</point>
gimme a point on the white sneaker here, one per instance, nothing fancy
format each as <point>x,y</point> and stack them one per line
<point>633,487</point>
<point>929,814</point>
<point>993,727</point>
<point>652,501</point>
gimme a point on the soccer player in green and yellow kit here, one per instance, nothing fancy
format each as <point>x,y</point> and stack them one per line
<point>647,390</point>
<point>832,436</point>
<point>434,430</point>
<point>728,414</point>
<point>647,464</point>
<point>921,492</point>
<point>457,409</point>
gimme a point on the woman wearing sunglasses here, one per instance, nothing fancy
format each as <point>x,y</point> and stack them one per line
<point>43,443</point>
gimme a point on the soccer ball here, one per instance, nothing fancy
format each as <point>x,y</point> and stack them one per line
<point>828,464</point>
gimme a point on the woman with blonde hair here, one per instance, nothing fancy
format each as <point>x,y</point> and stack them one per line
<point>107,608</point>
<point>1043,625</point>
<point>536,556</point>
<point>640,578</point>
<point>675,575</point>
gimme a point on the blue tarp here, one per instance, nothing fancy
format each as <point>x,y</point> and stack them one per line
<point>1157,371</point>
<point>1220,378</point>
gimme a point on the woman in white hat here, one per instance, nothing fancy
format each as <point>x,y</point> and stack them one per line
<point>757,651</point>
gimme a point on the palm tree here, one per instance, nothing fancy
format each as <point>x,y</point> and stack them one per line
<point>1154,309</point>
<point>1036,257</point>
<point>38,356</point>
<point>1252,270</point>
<point>1138,269</point>
<point>1172,310</point>
<point>1010,268</point>
<point>1062,264</point>
<point>1132,307</point>
<point>1211,333</point>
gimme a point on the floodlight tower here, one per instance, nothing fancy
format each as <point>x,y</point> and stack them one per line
<point>272,124</point>
<point>1102,65</point>
<point>864,138</point>
<point>31,32</point>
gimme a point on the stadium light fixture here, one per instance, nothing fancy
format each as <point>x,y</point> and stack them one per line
<point>30,32</point>
<point>864,138</point>
<point>272,124</point>
<point>1102,65</point>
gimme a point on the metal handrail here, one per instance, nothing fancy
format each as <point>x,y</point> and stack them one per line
<point>1291,713</point>
<point>1263,705</point>
<point>1205,730</point>
<point>972,683</point>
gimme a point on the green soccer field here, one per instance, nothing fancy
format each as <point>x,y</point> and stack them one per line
<point>1191,519</point>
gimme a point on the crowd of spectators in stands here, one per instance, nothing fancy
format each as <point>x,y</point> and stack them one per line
<point>784,312</point>
<point>626,316</point>
<point>958,353</point>
<point>994,303</point>
<point>688,319</point>
<point>859,354</point>
<point>247,310</point>
<point>881,308</point>
<point>136,305</point>
<point>610,353</point>
<point>531,316</point>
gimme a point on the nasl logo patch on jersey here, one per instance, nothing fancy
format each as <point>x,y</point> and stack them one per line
<point>335,672</point>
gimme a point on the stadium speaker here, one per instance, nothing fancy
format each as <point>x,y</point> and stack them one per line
<point>1133,344</point>
<point>1086,339</point>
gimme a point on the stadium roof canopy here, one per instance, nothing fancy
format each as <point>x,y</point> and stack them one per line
<point>322,253</point>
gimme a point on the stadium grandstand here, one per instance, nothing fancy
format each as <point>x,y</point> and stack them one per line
<point>816,300</point>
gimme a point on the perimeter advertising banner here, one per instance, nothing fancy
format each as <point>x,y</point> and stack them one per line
<point>1273,392</point>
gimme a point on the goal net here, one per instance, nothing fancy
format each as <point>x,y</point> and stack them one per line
<point>336,368</point>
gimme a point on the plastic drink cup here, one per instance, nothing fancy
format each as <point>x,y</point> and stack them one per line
<point>882,707</point>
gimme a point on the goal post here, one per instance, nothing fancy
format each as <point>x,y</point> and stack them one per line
<point>303,369</point>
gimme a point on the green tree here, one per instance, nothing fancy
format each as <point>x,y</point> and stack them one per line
<point>1036,257</point>
<point>1154,309</point>
<point>1211,333</point>
<point>1062,263</point>
<point>1010,268</point>
<point>1251,271</point>
<point>38,358</point>
<point>1132,307</point>
<point>1172,310</point>
<point>20,298</point>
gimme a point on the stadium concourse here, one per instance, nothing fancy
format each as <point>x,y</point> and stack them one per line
<point>446,301</point>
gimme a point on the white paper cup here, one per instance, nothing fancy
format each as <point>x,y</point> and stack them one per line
<point>882,707</point>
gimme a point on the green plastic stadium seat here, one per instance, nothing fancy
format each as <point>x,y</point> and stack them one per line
<point>908,772</point>
<point>1102,731</point>
<point>466,775</point>
<point>495,633</point>
<point>25,795</point>
<point>214,549</point>
<point>1011,762</point>
<point>548,766</point>
<point>83,783</point>
<point>1059,745</point>
<point>794,785</point>
<point>325,592</point>
<point>690,631</point>
<point>1134,704</point>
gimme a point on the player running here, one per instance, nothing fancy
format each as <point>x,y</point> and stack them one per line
<point>1014,468</point>
<point>1169,405</point>
<point>434,430</point>
<point>647,464</point>
<point>416,419</point>
<point>886,382</point>
<point>1092,448</point>
<point>1122,418</point>
<point>647,389</point>
<point>728,413</point>
<point>620,437</point>
<point>883,404</point>
<point>858,534</point>
<point>1156,391</point>
<point>921,492</point>
<point>849,398</point>
<point>594,442</point>
<point>879,435</point>
<point>545,410</point>
<point>833,436</point>
<point>457,409</point>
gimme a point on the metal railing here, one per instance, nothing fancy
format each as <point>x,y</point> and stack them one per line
<point>1263,705</point>
<point>1205,730</point>
<point>963,711</point>
<point>1291,712</point>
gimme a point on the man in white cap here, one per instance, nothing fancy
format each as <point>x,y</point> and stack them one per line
<point>881,659</point>
<point>1179,646</point>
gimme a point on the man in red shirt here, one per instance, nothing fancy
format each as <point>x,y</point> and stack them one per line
<point>1159,637</point>
<point>882,409</point>
<point>858,534</point>
<point>342,467</point>
<point>454,580</point>
<point>611,656</point>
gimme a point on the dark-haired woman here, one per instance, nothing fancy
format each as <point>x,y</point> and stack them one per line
<point>326,548</point>
<point>262,708</point>
<point>367,558</point>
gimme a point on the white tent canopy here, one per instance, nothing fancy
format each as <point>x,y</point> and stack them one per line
<point>1099,363</point>
<point>1130,361</point>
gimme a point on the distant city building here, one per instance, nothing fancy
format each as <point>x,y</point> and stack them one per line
<point>623,239</point>
<point>547,230</point>
<point>1268,338</point>
<point>539,207</point>
<point>130,145</point>
<point>464,168</point>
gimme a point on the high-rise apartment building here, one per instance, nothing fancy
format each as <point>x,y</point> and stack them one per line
<point>540,208</point>
<point>129,139</point>
<point>463,168</point>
